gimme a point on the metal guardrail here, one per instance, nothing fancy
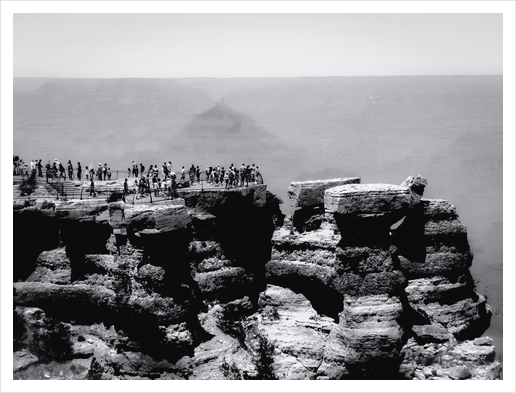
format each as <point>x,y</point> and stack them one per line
<point>116,174</point>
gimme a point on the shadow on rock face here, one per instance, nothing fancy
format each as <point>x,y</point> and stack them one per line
<point>409,236</point>
<point>325,300</point>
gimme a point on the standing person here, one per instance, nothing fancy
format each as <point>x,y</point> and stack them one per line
<point>135,169</point>
<point>92,187</point>
<point>70,170</point>
<point>79,171</point>
<point>247,175</point>
<point>92,172</point>
<point>105,171</point>
<point>242,175</point>
<point>109,173</point>
<point>226,179</point>
<point>182,173</point>
<point>126,190</point>
<point>142,169</point>
<point>259,179</point>
<point>155,186</point>
<point>191,174</point>
<point>141,186</point>
<point>62,171</point>
<point>198,174</point>
<point>48,168</point>
<point>99,171</point>
<point>169,166</point>
<point>173,186</point>
<point>253,174</point>
<point>148,185</point>
<point>39,165</point>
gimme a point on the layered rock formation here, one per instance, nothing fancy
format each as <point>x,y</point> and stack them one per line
<point>363,281</point>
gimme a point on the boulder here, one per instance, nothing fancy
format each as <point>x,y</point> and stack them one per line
<point>367,199</point>
<point>303,194</point>
<point>417,186</point>
<point>459,372</point>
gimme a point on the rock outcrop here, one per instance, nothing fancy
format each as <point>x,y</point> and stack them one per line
<point>387,266</point>
<point>363,281</point>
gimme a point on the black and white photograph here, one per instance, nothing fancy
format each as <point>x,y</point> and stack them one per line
<point>210,195</point>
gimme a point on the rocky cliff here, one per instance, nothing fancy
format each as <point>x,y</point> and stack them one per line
<point>364,281</point>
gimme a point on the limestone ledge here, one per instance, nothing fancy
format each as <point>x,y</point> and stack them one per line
<point>367,199</point>
<point>310,193</point>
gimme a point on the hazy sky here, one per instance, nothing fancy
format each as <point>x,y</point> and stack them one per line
<point>254,45</point>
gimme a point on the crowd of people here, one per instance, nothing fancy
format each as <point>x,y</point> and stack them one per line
<point>158,181</point>
<point>164,180</point>
<point>58,171</point>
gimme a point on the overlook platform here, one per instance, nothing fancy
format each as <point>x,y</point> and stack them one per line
<point>80,190</point>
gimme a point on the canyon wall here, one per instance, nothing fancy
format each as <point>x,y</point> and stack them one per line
<point>364,281</point>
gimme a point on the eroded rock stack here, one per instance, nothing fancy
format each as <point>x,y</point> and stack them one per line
<point>386,265</point>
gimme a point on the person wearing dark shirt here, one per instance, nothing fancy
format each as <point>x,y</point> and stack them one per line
<point>39,165</point>
<point>126,189</point>
<point>70,170</point>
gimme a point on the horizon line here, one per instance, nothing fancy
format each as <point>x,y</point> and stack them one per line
<point>259,77</point>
